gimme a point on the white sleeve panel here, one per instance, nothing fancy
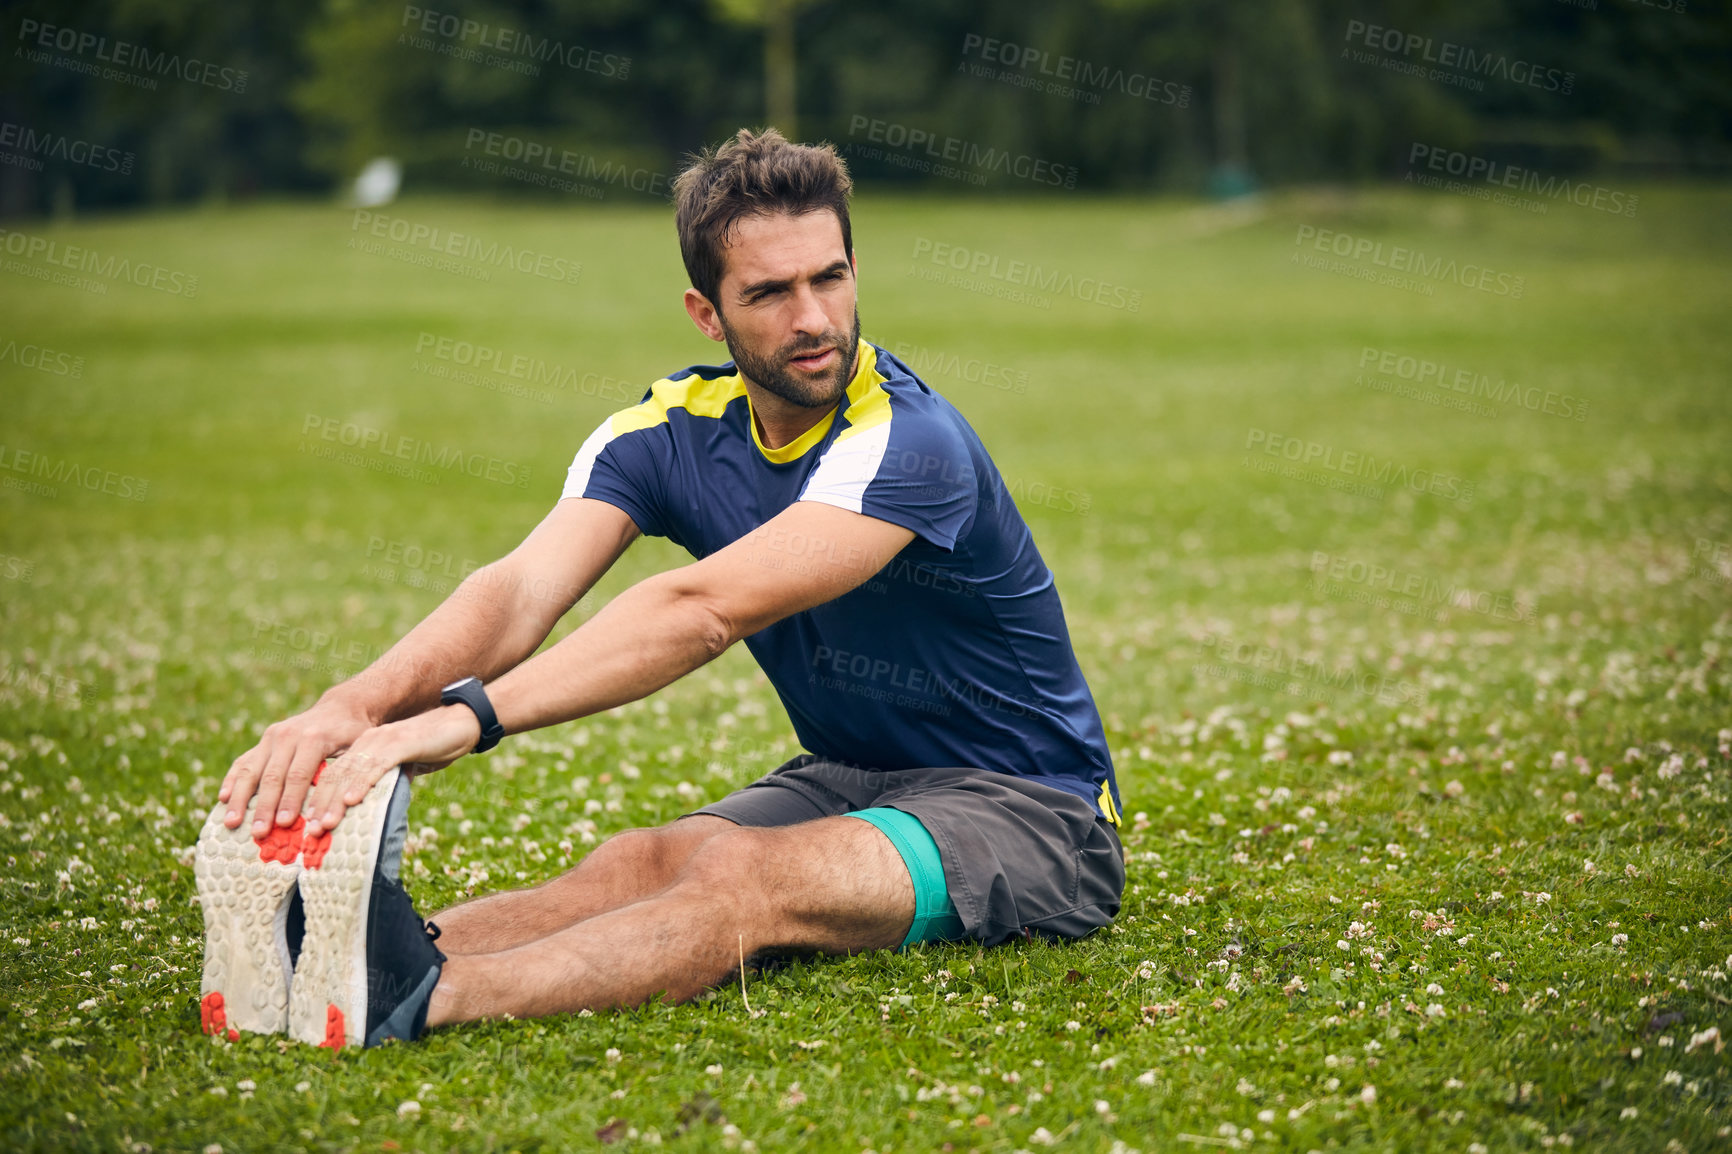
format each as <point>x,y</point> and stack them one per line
<point>849,465</point>
<point>577,477</point>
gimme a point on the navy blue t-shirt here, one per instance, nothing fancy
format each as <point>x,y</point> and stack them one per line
<point>955,653</point>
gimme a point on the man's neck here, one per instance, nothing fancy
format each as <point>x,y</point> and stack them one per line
<point>780,422</point>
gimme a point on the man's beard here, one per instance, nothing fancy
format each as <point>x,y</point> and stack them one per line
<point>782,380</point>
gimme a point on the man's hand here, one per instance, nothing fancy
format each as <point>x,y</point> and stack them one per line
<point>420,744</point>
<point>280,767</point>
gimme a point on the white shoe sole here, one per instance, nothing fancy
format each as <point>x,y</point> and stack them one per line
<point>328,1001</point>
<point>244,887</point>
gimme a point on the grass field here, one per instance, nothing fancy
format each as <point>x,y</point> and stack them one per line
<point>1428,756</point>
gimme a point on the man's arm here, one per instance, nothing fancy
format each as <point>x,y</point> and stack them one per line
<point>649,636</point>
<point>489,623</point>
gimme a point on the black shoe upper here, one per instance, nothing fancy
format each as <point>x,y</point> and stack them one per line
<point>403,964</point>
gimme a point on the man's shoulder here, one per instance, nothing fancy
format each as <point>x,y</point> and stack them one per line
<point>919,415</point>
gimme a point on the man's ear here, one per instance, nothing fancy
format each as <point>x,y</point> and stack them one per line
<point>704,314</point>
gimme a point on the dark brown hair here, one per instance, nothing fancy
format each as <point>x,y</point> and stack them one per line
<point>753,174</point>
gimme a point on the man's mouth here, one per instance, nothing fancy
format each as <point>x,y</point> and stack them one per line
<point>813,361</point>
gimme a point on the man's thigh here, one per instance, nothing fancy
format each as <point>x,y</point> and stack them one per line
<point>1018,857</point>
<point>833,884</point>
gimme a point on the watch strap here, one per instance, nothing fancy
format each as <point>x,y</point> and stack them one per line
<point>470,692</point>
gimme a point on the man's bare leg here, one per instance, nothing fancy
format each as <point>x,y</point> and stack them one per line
<point>835,885</point>
<point>625,868</point>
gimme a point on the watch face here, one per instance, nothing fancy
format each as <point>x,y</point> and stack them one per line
<point>455,684</point>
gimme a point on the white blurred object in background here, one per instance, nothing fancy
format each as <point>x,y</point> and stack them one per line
<point>378,183</point>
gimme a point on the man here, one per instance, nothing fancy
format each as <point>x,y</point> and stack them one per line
<point>848,525</point>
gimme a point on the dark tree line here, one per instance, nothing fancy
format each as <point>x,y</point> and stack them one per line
<point>112,102</point>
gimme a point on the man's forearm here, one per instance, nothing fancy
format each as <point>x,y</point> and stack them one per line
<point>646,638</point>
<point>488,624</point>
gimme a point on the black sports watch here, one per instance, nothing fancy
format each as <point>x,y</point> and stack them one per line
<point>468,692</point>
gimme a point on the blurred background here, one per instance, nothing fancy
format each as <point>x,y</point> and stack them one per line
<point>1175,95</point>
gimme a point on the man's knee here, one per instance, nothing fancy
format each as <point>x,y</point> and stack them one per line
<point>728,862</point>
<point>662,849</point>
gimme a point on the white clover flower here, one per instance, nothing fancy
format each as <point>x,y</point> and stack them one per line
<point>409,1109</point>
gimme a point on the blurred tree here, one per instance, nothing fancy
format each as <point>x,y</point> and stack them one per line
<point>776,18</point>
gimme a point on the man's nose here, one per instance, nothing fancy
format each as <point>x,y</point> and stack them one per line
<point>809,314</point>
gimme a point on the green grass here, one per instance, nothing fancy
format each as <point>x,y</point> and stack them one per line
<point>1298,760</point>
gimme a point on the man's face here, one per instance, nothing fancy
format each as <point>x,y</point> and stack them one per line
<point>788,306</point>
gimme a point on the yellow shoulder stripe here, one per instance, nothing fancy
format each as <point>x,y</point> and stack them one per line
<point>694,394</point>
<point>868,403</point>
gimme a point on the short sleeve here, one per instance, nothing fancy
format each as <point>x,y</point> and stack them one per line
<point>913,469</point>
<point>624,470</point>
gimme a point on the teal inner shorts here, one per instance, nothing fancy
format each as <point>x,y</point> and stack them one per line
<point>935,916</point>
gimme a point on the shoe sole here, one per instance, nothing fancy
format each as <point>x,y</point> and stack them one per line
<point>328,1001</point>
<point>244,887</point>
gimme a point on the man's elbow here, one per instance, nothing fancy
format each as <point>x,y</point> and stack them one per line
<point>702,615</point>
<point>712,626</point>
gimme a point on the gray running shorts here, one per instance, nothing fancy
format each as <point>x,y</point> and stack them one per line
<point>1020,858</point>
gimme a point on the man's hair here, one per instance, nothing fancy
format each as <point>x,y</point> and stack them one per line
<point>754,174</point>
